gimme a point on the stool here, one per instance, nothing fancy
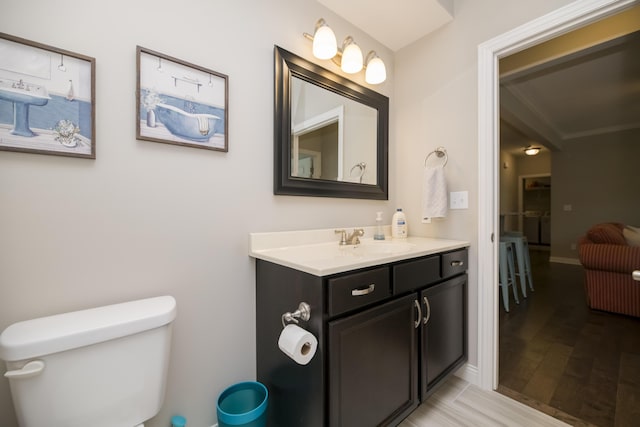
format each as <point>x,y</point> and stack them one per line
<point>507,274</point>
<point>522,260</point>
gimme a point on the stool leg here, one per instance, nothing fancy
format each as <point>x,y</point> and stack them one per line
<point>504,279</point>
<point>527,262</point>
<point>511,272</point>
<point>521,269</point>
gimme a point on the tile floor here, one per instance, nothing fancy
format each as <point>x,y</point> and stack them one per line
<point>460,404</point>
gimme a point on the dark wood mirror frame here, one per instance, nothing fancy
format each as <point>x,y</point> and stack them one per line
<point>288,65</point>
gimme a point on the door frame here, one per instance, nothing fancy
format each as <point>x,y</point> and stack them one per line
<point>558,22</point>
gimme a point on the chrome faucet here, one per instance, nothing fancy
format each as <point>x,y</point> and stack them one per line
<point>351,239</point>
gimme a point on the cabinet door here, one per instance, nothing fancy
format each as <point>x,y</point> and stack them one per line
<point>444,331</point>
<point>373,366</point>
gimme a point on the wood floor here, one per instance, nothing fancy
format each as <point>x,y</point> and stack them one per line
<point>556,355</point>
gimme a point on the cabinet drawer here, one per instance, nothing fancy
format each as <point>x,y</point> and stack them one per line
<point>358,290</point>
<point>415,274</point>
<point>455,262</point>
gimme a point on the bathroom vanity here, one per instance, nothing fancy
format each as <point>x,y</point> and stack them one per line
<point>390,318</point>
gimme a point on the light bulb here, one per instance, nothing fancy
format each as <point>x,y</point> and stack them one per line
<point>376,72</point>
<point>324,43</point>
<point>351,57</point>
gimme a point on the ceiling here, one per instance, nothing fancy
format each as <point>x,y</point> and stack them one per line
<point>594,91</point>
<point>394,24</point>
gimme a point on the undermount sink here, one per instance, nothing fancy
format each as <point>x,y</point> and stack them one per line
<point>332,251</point>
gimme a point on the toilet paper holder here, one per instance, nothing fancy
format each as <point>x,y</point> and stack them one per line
<point>303,312</point>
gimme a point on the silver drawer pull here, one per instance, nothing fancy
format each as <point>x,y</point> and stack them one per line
<point>457,263</point>
<point>416,323</point>
<point>636,275</point>
<point>365,291</point>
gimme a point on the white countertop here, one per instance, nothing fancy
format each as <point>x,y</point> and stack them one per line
<point>317,252</point>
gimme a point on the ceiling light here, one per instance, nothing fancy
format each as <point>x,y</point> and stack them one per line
<point>376,71</point>
<point>531,151</point>
<point>325,45</point>
<point>351,56</point>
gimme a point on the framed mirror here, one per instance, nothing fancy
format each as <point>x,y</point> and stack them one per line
<point>331,135</point>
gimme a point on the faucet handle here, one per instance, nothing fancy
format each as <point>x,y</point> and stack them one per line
<point>343,236</point>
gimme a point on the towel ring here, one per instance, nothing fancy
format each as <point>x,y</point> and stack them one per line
<point>362,166</point>
<point>440,152</point>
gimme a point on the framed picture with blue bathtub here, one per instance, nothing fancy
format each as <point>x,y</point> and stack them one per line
<point>180,103</point>
<point>47,99</point>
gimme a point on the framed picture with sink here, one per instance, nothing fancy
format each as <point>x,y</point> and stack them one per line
<point>47,99</point>
<point>180,103</point>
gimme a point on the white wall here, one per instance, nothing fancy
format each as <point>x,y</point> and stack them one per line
<point>436,104</point>
<point>147,219</point>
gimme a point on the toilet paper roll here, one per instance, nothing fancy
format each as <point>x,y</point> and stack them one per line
<point>298,344</point>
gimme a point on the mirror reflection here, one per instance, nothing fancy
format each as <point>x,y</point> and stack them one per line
<point>321,122</point>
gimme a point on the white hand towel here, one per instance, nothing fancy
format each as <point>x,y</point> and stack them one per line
<point>434,193</point>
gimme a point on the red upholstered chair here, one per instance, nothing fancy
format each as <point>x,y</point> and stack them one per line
<point>609,261</point>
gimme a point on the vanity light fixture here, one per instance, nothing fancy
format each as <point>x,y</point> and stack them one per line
<point>349,57</point>
<point>375,70</point>
<point>61,67</point>
<point>531,151</point>
<point>325,45</point>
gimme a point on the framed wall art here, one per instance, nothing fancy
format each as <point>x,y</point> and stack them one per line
<point>180,103</point>
<point>47,99</point>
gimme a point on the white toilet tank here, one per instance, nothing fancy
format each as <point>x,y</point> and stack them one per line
<point>101,367</point>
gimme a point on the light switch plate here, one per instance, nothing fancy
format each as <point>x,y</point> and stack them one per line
<point>459,200</point>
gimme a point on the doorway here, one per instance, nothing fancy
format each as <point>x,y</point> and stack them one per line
<point>570,17</point>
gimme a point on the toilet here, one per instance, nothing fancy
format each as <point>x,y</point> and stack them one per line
<point>101,367</point>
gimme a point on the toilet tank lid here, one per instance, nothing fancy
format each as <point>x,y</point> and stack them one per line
<point>53,334</point>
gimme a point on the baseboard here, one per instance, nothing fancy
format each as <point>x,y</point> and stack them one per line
<point>563,260</point>
<point>469,373</point>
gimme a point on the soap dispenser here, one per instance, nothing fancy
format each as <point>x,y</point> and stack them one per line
<point>379,234</point>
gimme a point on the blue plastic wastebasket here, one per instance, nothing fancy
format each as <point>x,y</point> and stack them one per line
<point>243,404</point>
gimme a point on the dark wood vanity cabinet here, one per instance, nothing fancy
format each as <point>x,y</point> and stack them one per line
<point>373,365</point>
<point>387,335</point>
<point>443,338</point>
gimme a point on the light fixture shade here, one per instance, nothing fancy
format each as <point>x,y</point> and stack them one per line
<point>531,151</point>
<point>325,45</point>
<point>351,57</point>
<point>376,72</point>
